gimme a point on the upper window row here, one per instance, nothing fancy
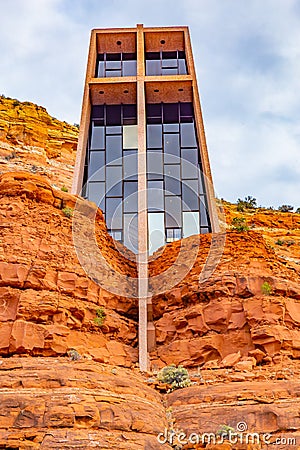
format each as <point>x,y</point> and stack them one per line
<point>125,64</point>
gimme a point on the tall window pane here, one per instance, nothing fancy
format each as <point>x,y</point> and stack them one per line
<point>172,179</point>
<point>130,165</point>
<point>131,232</point>
<point>173,211</point>
<point>130,196</point>
<point>97,166</point>
<point>113,214</point>
<point>96,194</point>
<point>113,148</point>
<point>154,136</point>
<point>190,223</point>
<point>155,195</point>
<point>188,136</point>
<point>130,136</point>
<point>97,138</point>
<point>156,231</point>
<point>114,181</point>
<point>155,165</point>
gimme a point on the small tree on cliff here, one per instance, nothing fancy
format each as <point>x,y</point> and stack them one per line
<point>285,208</point>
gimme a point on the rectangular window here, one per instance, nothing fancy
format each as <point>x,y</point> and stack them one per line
<point>154,136</point>
<point>165,63</point>
<point>156,231</point>
<point>189,166</point>
<point>172,179</point>
<point>190,223</point>
<point>96,194</point>
<point>130,136</point>
<point>173,234</point>
<point>129,68</point>
<point>169,71</point>
<point>113,115</point>
<point>171,148</point>
<point>190,196</point>
<point>203,212</point>
<point>97,166</point>
<point>116,235</point>
<point>113,149</point>
<point>116,129</point>
<point>130,196</point>
<point>113,214</point>
<point>188,135</point>
<point>173,212</point>
<point>155,195</point>
<point>114,181</point>
<point>131,232</point>
<point>130,165</point>
<point>153,67</point>
<point>97,138</point>
<point>155,165</point>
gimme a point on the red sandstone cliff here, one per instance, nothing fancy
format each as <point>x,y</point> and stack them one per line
<point>237,331</point>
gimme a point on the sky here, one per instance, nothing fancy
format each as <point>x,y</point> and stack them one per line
<point>247,57</point>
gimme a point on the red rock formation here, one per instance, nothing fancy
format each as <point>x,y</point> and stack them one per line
<point>48,302</point>
<point>233,319</point>
<point>32,140</point>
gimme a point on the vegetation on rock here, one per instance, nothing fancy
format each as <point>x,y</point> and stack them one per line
<point>239,224</point>
<point>176,377</point>
<point>100,317</point>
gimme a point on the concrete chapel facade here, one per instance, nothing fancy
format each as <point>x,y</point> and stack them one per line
<point>142,153</point>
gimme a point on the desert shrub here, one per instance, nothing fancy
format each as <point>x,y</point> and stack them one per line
<point>266,289</point>
<point>177,377</point>
<point>74,355</point>
<point>34,169</point>
<point>100,317</point>
<point>12,155</point>
<point>285,208</point>
<point>68,212</point>
<point>239,224</point>
<point>248,203</point>
<point>289,242</point>
<point>279,242</point>
<point>64,189</point>
<point>225,431</point>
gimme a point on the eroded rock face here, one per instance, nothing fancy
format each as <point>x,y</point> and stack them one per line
<point>32,140</point>
<point>48,303</point>
<point>54,403</point>
<point>251,301</point>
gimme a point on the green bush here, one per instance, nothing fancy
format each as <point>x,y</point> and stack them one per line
<point>177,377</point>
<point>248,203</point>
<point>68,212</point>
<point>279,242</point>
<point>224,430</point>
<point>64,189</point>
<point>266,289</point>
<point>285,208</point>
<point>239,224</point>
<point>100,317</point>
<point>74,355</point>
